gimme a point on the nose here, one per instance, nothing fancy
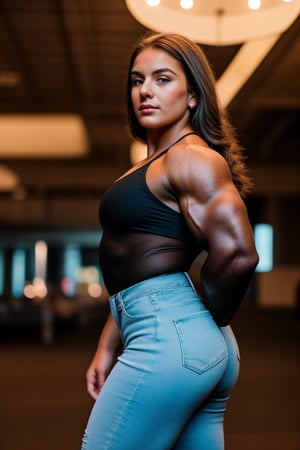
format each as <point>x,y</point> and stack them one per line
<point>146,89</point>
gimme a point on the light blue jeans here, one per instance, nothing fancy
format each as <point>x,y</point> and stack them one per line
<point>170,385</point>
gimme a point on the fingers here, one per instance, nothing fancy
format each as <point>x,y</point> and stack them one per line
<point>93,386</point>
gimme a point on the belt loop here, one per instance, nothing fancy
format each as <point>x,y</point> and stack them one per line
<point>190,281</point>
<point>119,302</point>
<point>115,308</point>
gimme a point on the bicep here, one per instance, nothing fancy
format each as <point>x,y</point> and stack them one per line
<point>228,214</point>
<point>231,255</point>
<point>209,201</point>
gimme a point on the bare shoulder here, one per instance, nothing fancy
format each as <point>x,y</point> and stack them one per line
<point>207,197</point>
<point>195,169</point>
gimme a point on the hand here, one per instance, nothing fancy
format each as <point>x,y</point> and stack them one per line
<point>98,371</point>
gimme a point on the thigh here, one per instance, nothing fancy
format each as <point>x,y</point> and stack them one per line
<point>174,356</point>
<point>118,419</point>
<point>203,431</point>
<point>147,410</point>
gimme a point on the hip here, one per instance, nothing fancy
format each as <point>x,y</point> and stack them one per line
<point>163,319</point>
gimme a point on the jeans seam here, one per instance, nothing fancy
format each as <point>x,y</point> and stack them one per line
<point>122,414</point>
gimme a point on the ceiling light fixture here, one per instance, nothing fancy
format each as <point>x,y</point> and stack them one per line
<point>153,2</point>
<point>254,4</point>
<point>203,22</point>
<point>224,22</point>
<point>186,4</point>
<point>43,136</point>
<point>189,4</point>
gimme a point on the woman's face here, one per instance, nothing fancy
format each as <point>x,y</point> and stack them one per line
<point>159,90</point>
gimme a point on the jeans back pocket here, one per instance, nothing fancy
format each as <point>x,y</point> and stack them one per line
<point>201,342</point>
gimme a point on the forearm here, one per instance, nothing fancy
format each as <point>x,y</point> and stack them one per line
<point>110,337</point>
<point>104,357</point>
<point>223,286</point>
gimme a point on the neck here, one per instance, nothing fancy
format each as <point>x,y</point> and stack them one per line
<point>158,143</point>
<point>178,139</point>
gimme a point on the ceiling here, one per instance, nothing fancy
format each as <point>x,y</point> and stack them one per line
<point>69,57</point>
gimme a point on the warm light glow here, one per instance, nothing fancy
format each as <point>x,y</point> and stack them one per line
<point>153,2</point>
<point>230,23</point>
<point>29,291</point>
<point>41,250</point>
<point>9,180</point>
<point>40,287</point>
<point>254,4</point>
<point>242,66</point>
<point>218,22</point>
<point>138,152</point>
<point>88,275</point>
<point>186,4</point>
<point>42,136</point>
<point>94,290</point>
<point>9,79</point>
<point>36,290</point>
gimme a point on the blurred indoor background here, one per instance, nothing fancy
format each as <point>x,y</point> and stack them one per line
<point>63,141</point>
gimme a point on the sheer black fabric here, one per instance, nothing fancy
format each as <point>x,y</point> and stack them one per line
<point>127,259</point>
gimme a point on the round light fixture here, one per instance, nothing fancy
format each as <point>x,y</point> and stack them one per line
<point>218,22</point>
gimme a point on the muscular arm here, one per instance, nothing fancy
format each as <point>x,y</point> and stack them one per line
<point>218,218</point>
<point>231,257</point>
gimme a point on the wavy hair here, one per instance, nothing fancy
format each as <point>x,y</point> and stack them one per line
<point>207,119</point>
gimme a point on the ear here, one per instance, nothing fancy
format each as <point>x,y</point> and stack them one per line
<point>192,100</point>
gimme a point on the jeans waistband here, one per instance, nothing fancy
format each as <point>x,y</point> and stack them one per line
<point>157,283</point>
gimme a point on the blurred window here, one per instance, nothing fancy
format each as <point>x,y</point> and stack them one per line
<point>71,268</point>
<point>18,273</point>
<point>264,240</point>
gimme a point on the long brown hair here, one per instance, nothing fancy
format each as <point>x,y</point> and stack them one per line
<point>207,119</point>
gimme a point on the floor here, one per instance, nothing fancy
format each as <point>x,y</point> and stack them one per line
<point>44,405</point>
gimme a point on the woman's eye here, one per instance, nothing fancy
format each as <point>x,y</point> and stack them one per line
<point>163,80</point>
<point>136,82</point>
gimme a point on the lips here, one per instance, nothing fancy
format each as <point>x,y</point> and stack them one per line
<point>147,108</point>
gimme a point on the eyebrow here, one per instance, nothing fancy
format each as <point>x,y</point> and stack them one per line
<point>155,72</point>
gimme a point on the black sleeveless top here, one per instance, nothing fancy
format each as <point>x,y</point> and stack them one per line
<point>129,206</point>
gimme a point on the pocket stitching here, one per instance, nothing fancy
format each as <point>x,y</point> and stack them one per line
<point>219,357</point>
<point>139,316</point>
